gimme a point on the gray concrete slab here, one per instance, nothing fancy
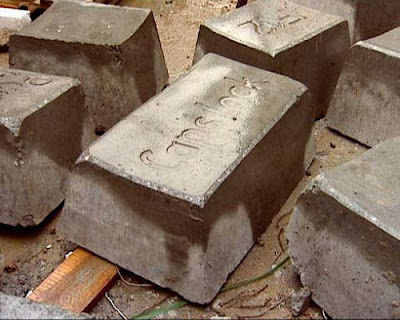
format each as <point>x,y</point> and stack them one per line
<point>366,102</point>
<point>19,308</point>
<point>362,16</point>
<point>179,190</point>
<point>11,21</point>
<point>44,126</point>
<point>114,51</point>
<point>282,37</point>
<point>344,236</point>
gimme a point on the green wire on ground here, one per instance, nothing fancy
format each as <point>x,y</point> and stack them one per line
<point>180,303</point>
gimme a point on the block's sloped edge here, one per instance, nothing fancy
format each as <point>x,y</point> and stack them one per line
<point>272,47</point>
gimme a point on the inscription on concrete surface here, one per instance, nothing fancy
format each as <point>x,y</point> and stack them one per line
<point>203,139</point>
<point>283,37</point>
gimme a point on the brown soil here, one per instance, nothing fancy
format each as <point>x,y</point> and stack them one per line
<point>32,254</point>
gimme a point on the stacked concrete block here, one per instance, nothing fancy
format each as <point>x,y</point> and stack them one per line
<point>282,37</point>
<point>44,127</point>
<point>366,103</point>
<point>366,18</point>
<point>19,308</point>
<point>344,236</point>
<point>179,190</point>
<point>11,21</point>
<point>114,51</point>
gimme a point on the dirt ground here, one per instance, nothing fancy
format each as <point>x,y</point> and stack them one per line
<point>32,254</point>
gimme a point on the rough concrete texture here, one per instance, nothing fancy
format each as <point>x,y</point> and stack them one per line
<point>366,18</point>
<point>43,128</point>
<point>282,37</point>
<point>19,308</point>
<point>344,236</point>
<point>114,51</point>
<point>11,21</point>
<point>366,103</point>
<point>300,301</point>
<point>179,190</point>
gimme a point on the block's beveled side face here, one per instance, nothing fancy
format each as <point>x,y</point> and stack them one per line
<point>188,139</point>
<point>369,185</point>
<point>98,24</point>
<point>272,26</point>
<point>367,92</point>
<point>22,93</point>
<point>388,42</point>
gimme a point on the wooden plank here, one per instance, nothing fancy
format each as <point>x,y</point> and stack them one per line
<point>77,283</point>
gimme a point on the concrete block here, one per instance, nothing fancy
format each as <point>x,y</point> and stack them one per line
<point>285,38</point>
<point>43,129</point>
<point>114,51</point>
<point>179,190</point>
<point>11,21</point>
<point>366,102</point>
<point>344,236</point>
<point>19,308</point>
<point>366,19</point>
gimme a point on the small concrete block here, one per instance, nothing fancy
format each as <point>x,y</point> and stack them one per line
<point>114,51</point>
<point>366,18</point>
<point>344,236</point>
<point>11,21</point>
<point>19,308</point>
<point>285,38</point>
<point>179,190</point>
<point>43,129</point>
<point>366,103</point>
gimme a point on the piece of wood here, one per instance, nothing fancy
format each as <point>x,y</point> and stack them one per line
<point>77,283</point>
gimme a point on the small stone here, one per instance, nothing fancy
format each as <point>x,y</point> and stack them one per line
<point>332,145</point>
<point>300,301</point>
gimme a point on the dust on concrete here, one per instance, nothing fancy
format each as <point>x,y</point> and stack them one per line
<point>32,254</point>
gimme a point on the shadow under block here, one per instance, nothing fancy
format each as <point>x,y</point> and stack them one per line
<point>366,102</point>
<point>366,18</point>
<point>43,128</point>
<point>285,38</point>
<point>344,236</point>
<point>179,190</point>
<point>114,51</point>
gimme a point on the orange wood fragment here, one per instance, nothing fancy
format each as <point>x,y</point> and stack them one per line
<point>77,283</point>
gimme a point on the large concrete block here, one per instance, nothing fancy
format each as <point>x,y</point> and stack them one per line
<point>11,21</point>
<point>179,190</point>
<point>366,103</point>
<point>366,18</point>
<point>114,51</point>
<point>344,236</point>
<point>19,308</point>
<point>282,37</point>
<point>43,128</point>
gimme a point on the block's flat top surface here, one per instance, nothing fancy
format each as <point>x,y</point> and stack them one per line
<point>187,140</point>
<point>386,41</point>
<point>272,25</point>
<point>370,185</point>
<point>84,22</point>
<point>22,93</point>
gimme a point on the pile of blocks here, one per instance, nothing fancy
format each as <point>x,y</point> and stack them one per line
<point>188,176</point>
